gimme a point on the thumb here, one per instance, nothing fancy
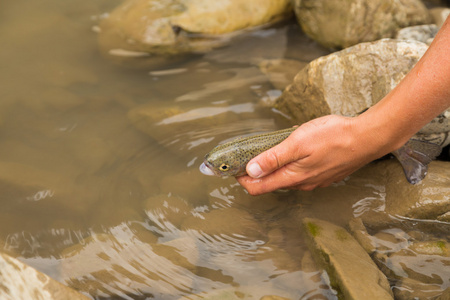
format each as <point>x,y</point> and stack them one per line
<point>273,159</point>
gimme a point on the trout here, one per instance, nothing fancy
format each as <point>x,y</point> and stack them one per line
<point>231,158</point>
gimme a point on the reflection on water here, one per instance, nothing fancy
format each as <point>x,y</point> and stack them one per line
<point>99,166</point>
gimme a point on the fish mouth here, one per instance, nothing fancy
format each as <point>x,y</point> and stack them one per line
<point>205,169</point>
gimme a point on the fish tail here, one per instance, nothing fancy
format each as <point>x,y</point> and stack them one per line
<point>415,156</point>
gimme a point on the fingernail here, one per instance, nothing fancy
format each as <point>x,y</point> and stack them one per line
<point>254,170</point>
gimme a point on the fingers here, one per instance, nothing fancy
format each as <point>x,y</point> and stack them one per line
<point>274,158</point>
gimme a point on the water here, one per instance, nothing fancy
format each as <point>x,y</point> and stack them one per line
<point>99,166</point>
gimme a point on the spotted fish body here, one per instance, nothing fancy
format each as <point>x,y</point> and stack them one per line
<point>230,159</point>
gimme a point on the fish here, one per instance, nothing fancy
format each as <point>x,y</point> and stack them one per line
<point>231,158</point>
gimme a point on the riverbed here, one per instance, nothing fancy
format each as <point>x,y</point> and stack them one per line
<point>93,200</point>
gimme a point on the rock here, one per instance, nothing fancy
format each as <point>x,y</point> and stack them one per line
<point>180,26</point>
<point>439,15</point>
<point>349,81</point>
<point>167,211</point>
<point>428,199</point>
<point>350,268</point>
<point>421,33</point>
<point>273,297</point>
<point>340,24</point>
<point>281,72</point>
<point>360,233</point>
<point>19,281</point>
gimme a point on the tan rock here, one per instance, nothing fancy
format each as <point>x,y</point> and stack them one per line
<point>20,281</point>
<point>176,26</point>
<point>342,24</point>
<point>349,266</point>
<point>439,15</point>
<point>349,81</point>
<point>426,200</point>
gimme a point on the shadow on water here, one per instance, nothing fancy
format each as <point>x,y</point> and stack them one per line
<point>100,182</point>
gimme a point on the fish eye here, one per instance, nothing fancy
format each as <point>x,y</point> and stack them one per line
<point>224,167</point>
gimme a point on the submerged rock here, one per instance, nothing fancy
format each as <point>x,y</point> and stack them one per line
<point>341,24</point>
<point>20,281</point>
<point>429,199</point>
<point>350,268</point>
<point>180,26</point>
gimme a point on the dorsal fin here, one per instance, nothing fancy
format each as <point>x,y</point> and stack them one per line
<point>415,156</point>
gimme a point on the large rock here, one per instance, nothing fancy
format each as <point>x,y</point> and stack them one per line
<point>350,81</point>
<point>340,24</point>
<point>350,268</point>
<point>20,281</point>
<point>179,26</point>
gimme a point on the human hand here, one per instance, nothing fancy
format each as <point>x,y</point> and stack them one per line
<point>318,153</point>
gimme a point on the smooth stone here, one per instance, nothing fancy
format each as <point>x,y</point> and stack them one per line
<point>141,27</point>
<point>349,266</point>
<point>338,24</point>
<point>20,281</point>
<point>407,289</point>
<point>428,199</point>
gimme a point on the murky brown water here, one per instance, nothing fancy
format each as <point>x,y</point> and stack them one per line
<point>117,211</point>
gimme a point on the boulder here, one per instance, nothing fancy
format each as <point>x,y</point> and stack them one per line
<point>340,24</point>
<point>20,281</point>
<point>281,72</point>
<point>180,26</point>
<point>349,81</point>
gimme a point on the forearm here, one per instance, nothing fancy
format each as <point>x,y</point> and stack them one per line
<point>421,95</point>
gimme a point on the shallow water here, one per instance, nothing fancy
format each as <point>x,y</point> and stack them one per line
<point>113,204</point>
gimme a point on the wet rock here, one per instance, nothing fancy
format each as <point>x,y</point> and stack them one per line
<point>428,199</point>
<point>281,72</point>
<point>445,295</point>
<point>20,281</point>
<point>180,26</point>
<point>439,15</point>
<point>340,24</point>
<point>349,81</point>
<point>273,297</point>
<point>360,233</point>
<point>439,247</point>
<point>421,33</point>
<point>349,266</point>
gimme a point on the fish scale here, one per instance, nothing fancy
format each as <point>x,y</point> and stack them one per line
<point>238,152</point>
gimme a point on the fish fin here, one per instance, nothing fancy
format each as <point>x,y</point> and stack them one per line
<point>415,156</point>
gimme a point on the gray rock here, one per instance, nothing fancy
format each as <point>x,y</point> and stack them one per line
<point>20,281</point>
<point>421,33</point>
<point>341,24</point>
<point>347,263</point>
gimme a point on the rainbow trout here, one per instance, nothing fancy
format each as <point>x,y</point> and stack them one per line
<point>230,159</point>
